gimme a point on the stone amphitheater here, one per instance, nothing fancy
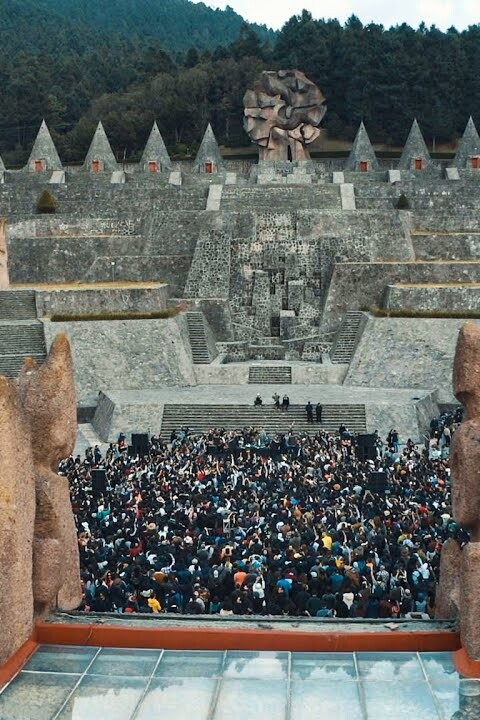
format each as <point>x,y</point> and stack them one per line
<point>189,287</point>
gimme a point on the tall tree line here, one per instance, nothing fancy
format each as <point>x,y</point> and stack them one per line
<point>71,76</point>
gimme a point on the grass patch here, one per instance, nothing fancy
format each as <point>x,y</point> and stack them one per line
<point>449,314</point>
<point>118,315</point>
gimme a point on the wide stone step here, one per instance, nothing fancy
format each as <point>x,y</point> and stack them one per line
<point>201,418</point>
<point>10,365</point>
<point>198,338</point>
<point>261,374</point>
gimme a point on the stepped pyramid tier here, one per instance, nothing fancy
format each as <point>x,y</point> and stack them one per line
<point>100,157</point>
<point>362,155</point>
<point>208,158</point>
<point>415,155</point>
<point>44,155</point>
<point>155,157</point>
<point>468,153</point>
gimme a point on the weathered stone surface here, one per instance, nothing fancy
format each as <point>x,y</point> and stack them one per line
<point>470,600</point>
<point>44,152</point>
<point>49,403</point>
<point>447,599</point>
<point>466,369</point>
<point>4,276</point>
<point>283,113</point>
<point>17,514</point>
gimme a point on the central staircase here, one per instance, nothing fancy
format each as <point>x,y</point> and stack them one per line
<point>21,334</point>
<point>270,374</point>
<point>201,418</point>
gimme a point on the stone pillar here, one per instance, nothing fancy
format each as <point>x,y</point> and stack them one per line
<point>4,278</point>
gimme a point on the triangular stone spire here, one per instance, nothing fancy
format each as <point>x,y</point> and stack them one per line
<point>208,158</point>
<point>155,156</point>
<point>362,155</point>
<point>468,148</point>
<point>100,157</point>
<point>44,155</point>
<point>415,155</point>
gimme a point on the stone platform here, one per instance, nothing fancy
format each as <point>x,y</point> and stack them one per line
<point>407,410</point>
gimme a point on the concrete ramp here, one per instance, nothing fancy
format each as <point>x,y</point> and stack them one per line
<point>214,198</point>
<point>347,195</point>
<point>57,177</point>
<point>118,177</point>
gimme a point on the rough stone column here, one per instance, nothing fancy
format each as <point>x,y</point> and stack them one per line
<point>4,277</point>
<point>17,516</point>
<point>48,397</point>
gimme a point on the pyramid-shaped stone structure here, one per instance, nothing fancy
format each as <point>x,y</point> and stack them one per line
<point>155,153</point>
<point>415,155</point>
<point>362,155</point>
<point>208,158</point>
<point>468,148</point>
<point>100,157</point>
<point>44,155</point>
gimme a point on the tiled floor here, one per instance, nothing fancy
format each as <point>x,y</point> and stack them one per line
<point>83,683</point>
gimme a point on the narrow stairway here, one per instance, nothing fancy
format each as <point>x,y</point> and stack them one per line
<point>198,338</point>
<point>347,338</point>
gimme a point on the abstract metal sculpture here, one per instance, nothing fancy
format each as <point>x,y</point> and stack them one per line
<point>283,113</point>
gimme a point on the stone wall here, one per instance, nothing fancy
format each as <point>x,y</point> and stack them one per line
<point>406,353</point>
<point>433,298</point>
<point>101,300</point>
<point>127,354</point>
<point>358,286</point>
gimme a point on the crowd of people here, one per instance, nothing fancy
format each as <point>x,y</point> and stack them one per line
<point>238,523</point>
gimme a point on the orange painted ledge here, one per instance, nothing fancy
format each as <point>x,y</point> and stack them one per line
<point>13,666</point>
<point>465,665</point>
<point>178,638</point>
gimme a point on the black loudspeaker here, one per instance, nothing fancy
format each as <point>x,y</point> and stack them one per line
<point>99,482</point>
<point>140,443</point>
<point>377,482</point>
<point>366,449</point>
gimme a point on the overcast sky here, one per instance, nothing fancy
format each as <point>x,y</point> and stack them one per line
<point>442,13</point>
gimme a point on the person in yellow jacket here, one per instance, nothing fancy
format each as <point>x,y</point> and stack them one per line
<point>153,604</point>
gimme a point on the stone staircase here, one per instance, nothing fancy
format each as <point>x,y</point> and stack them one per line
<point>21,334</point>
<point>347,337</point>
<point>270,374</point>
<point>17,305</point>
<point>198,338</point>
<point>201,418</point>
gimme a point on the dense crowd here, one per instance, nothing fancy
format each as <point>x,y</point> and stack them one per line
<point>240,523</point>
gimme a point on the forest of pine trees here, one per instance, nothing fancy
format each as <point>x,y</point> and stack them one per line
<point>90,65</point>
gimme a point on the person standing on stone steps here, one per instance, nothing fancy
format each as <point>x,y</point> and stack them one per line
<point>309,411</point>
<point>285,402</point>
<point>318,413</point>
<point>276,400</point>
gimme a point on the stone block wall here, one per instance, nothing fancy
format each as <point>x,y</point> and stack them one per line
<point>98,301</point>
